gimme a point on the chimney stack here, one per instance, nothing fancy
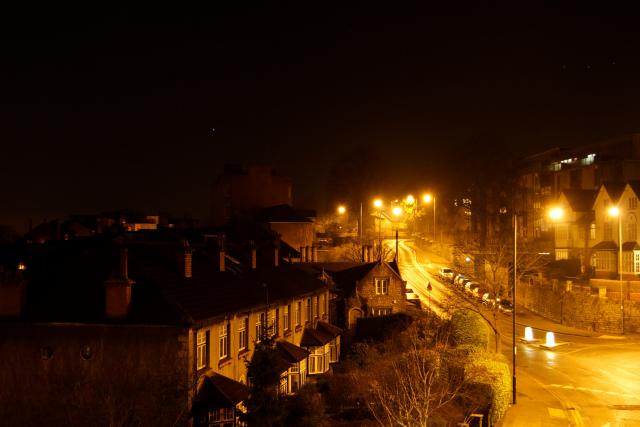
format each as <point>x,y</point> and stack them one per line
<point>11,294</point>
<point>253,256</point>
<point>188,260</point>
<point>118,290</point>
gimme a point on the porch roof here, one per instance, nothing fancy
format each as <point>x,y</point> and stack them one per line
<point>218,391</point>
<point>630,246</point>
<point>605,245</point>
<point>291,352</point>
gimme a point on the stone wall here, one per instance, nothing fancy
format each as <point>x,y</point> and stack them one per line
<point>581,307</point>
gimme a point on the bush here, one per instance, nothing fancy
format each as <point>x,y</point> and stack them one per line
<point>490,372</point>
<point>469,328</point>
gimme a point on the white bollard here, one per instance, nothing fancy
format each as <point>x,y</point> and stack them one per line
<point>528,333</point>
<point>551,339</point>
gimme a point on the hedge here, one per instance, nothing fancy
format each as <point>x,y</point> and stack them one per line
<point>470,328</point>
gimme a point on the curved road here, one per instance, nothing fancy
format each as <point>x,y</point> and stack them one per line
<point>587,381</point>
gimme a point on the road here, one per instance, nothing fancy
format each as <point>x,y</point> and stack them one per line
<point>588,380</point>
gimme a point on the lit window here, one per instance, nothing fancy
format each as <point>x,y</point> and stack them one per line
<point>299,314</point>
<point>223,340</point>
<point>260,327</point>
<point>382,286</point>
<point>562,254</point>
<point>381,311</point>
<point>592,231</point>
<point>202,349</point>
<point>243,341</point>
<point>316,306</point>
<point>285,318</point>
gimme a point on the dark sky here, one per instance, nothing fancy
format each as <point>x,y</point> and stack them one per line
<point>116,108</point>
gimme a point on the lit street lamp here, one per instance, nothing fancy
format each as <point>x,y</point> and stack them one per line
<point>427,198</point>
<point>614,211</point>
<point>341,210</point>
<point>397,211</point>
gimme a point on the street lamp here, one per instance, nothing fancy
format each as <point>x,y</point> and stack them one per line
<point>397,211</point>
<point>427,198</point>
<point>341,210</point>
<point>614,211</point>
<point>377,203</point>
<point>513,313</point>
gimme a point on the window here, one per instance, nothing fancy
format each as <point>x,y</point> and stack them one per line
<point>299,314</point>
<point>319,359</point>
<point>221,417</point>
<point>202,349</point>
<point>260,327</point>
<point>334,350</point>
<point>286,320</point>
<point>633,203</point>
<point>323,303</point>
<point>381,311</point>
<point>608,230</point>
<point>592,231</point>
<point>316,306</point>
<point>223,341</point>
<point>606,260</point>
<point>636,261</point>
<point>562,254</point>
<point>382,286</point>
<point>309,308</point>
<point>632,232</point>
<point>627,261</point>
<point>562,232</point>
<point>243,341</point>
<point>276,321</point>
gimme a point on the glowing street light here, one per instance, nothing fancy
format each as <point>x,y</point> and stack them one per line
<point>556,213</point>
<point>426,198</point>
<point>396,211</point>
<point>410,200</point>
<point>377,203</point>
<point>342,210</point>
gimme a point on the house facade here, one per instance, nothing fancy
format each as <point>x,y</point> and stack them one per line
<point>151,332</point>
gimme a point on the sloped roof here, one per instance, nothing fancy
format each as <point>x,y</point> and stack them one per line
<point>635,186</point>
<point>65,283</point>
<point>580,200</point>
<point>614,190</point>
<point>218,391</point>
<point>315,337</point>
<point>605,245</point>
<point>630,246</point>
<point>285,213</point>
<point>346,279</point>
<point>330,329</point>
<point>291,352</point>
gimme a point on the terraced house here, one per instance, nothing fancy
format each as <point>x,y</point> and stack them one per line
<point>151,332</point>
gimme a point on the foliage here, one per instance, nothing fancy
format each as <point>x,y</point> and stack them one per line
<point>263,406</point>
<point>490,372</point>
<point>468,327</point>
<point>306,409</point>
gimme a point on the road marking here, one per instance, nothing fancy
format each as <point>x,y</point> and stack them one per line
<point>595,390</point>
<point>557,413</point>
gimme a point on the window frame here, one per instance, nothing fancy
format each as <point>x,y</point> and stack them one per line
<point>381,285</point>
<point>202,349</point>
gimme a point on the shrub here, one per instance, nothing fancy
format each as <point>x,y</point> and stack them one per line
<point>469,328</point>
<point>490,372</point>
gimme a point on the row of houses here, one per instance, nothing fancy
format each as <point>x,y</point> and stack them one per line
<point>591,232</point>
<point>161,331</point>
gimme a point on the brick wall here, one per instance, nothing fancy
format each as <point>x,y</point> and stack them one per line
<point>394,299</point>
<point>580,307</point>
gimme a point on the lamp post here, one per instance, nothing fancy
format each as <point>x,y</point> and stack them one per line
<point>513,313</point>
<point>377,203</point>
<point>614,211</point>
<point>397,211</point>
<point>427,198</point>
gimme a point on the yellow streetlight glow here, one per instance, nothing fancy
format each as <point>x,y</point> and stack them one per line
<point>377,203</point>
<point>397,211</point>
<point>613,211</point>
<point>410,199</point>
<point>341,210</point>
<point>427,198</point>
<point>556,213</point>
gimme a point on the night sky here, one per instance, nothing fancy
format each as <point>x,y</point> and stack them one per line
<point>111,109</point>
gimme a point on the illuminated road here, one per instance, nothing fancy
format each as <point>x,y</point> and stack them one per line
<point>591,381</point>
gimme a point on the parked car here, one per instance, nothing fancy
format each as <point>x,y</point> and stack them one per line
<point>471,286</point>
<point>412,297</point>
<point>479,292</point>
<point>489,299</point>
<point>505,306</point>
<point>445,273</point>
<point>457,277</point>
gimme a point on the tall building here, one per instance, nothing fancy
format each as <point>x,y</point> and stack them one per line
<point>242,190</point>
<point>540,178</point>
